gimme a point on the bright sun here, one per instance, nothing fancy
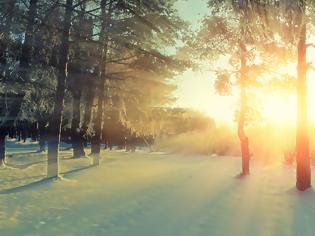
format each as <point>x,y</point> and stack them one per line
<point>281,107</point>
<point>195,90</point>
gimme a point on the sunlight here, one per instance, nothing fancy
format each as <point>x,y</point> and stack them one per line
<point>279,107</point>
<point>195,90</point>
<point>173,117</point>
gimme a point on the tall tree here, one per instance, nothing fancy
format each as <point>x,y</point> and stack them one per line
<point>27,45</point>
<point>139,29</point>
<point>56,119</point>
<point>79,75</point>
<point>25,55</point>
<point>303,170</point>
<point>293,21</point>
<point>106,8</point>
<point>7,11</point>
<point>230,36</point>
<point>243,5</point>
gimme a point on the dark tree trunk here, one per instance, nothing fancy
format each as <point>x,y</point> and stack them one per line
<point>241,119</point>
<point>2,147</point>
<point>42,139</point>
<point>76,133</point>
<point>89,102</point>
<point>5,38</point>
<point>56,119</point>
<point>96,144</point>
<point>88,111</point>
<point>76,87</point>
<point>303,170</point>
<point>28,41</point>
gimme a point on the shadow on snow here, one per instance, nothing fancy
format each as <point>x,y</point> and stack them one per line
<point>43,182</point>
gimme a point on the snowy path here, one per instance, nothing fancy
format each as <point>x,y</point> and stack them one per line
<point>148,194</point>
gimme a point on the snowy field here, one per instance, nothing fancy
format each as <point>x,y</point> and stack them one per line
<point>148,194</point>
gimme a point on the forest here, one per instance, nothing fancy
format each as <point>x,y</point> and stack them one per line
<point>85,84</point>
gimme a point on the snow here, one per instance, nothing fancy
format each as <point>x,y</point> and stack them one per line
<point>148,194</point>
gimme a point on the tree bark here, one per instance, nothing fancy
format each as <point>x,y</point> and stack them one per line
<point>104,38</point>
<point>5,38</point>
<point>88,110</point>
<point>3,64</point>
<point>42,135</point>
<point>76,136</point>
<point>76,87</point>
<point>2,148</point>
<point>56,119</point>
<point>303,170</point>
<point>28,41</point>
<point>241,119</point>
<point>89,102</point>
<point>243,5</point>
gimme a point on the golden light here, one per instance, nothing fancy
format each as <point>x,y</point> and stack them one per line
<point>195,90</point>
<point>279,107</point>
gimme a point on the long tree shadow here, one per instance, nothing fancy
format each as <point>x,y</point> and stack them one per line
<point>71,172</point>
<point>42,182</point>
<point>24,178</point>
<point>17,154</point>
<point>22,166</point>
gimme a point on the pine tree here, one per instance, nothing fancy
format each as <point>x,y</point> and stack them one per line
<point>56,119</point>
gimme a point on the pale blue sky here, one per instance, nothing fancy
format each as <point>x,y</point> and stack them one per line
<point>192,10</point>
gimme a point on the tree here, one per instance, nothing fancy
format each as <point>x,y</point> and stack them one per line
<point>88,47</point>
<point>292,20</point>
<point>27,46</point>
<point>79,76</point>
<point>231,37</point>
<point>104,40</point>
<point>56,119</point>
<point>24,62</point>
<point>5,28</point>
<point>7,10</point>
<point>38,103</point>
<point>132,38</point>
<point>303,170</point>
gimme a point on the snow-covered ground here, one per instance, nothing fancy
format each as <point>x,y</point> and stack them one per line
<point>143,194</point>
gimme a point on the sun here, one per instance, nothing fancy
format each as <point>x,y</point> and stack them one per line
<point>196,90</point>
<point>279,107</point>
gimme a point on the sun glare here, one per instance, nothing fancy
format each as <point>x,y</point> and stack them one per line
<point>195,90</point>
<point>279,108</point>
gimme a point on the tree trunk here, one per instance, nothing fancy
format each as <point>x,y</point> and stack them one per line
<point>303,170</point>
<point>42,135</point>
<point>28,41</point>
<point>241,119</point>
<point>88,110</point>
<point>76,134</point>
<point>56,119</point>
<point>89,102</point>
<point>2,148</point>
<point>5,38</point>
<point>76,87</point>
<point>3,64</point>
<point>96,144</point>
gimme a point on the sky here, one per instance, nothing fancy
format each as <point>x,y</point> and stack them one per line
<point>195,89</point>
<point>192,10</point>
